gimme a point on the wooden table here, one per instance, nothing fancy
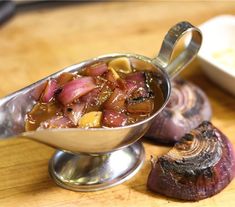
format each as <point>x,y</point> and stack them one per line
<point>36,44</point>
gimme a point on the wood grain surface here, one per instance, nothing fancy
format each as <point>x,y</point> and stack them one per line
<point>36,44</point>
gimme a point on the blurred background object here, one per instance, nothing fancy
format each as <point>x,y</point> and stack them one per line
<point>9,8</point>
<point>217,55</point>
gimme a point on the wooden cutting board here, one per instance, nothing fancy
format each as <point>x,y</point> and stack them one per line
<point>36,44</point>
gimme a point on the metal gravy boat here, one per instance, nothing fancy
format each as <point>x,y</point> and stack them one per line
<point>98,158</point>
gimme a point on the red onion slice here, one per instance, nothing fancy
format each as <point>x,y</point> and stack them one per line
<point>96,70</point>
<point>116,101</point>
<point>127,86</point>
<point>145,106</point>
<point>197,167</point>
<point>56,122</point>
<point>138,79</point>
<point>74,112</point>
<point>64,78</point>
<point>111,81</point>
<point>110,77</point>
<point>75,89</point>
<point>113,118</point>
<point>187,108</point>
<point>49,91</point>
<point>91,97</point>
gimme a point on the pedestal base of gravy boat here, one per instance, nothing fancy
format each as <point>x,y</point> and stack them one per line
<point>87,172</point>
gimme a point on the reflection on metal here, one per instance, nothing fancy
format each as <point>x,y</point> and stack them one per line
<point>91,172</point>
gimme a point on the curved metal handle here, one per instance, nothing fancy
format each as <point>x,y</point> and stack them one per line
<point>163,60</point>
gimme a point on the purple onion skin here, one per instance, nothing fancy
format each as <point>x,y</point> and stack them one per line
<point>49,91</point>
<point>197,177</point>
<point>173,122</point>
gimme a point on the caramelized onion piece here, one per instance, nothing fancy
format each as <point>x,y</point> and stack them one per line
<point>56,122</point>
<point>75,89</point>
<point>127,87</point>
<point>145,106</point>
<point>138,79</point>
<point>113,118</point>
<point>91,97</point>
<point>97,69</point>
<point>197,167</point>
<point>49,91</point>
<point>74,112</point>
<point>111,81</point>
<point>187,108</point>
<point>116,101</point>
<point>64,78</point>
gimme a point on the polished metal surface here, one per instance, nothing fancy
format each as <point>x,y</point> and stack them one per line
<point>80,172</point>
<point>92,140</point>
<point>97,141</point>
<point>164,58</point>
<point>14,107</point>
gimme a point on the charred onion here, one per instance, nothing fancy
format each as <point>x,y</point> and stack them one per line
<point>187,108</point>
<point>197,167</point>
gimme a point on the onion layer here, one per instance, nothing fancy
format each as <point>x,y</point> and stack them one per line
<point>74,112</point>
<point>139,80</point>
<point>64,78</point>
<point>56,122</point>
<point>113,118</point>
<point>75,89</point>
<point>145,106</point>
<point>49,91</point>
<point>197,167</point>
<point>187,108</point>
<point>116,101</point>
<point>97,69</point>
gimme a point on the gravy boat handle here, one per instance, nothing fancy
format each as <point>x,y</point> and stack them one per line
<point>164,59</point>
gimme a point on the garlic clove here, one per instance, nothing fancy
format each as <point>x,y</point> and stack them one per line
<point>114,73</point>
<point>91,120</point>
<point>140,65</point>
<point>121,65</point>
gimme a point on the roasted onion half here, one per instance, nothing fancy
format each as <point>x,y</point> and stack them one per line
<point>200,165</point>
<point>187,108</point>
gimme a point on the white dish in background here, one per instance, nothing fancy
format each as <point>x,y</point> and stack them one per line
<point>217,54</point>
